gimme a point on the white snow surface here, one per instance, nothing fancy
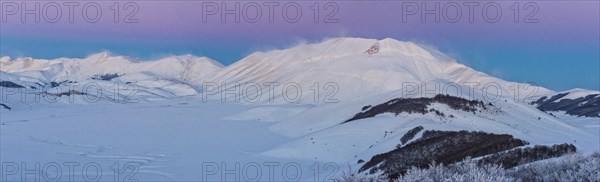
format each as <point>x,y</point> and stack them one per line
<point>172,76</point>
<point>578,93</point>
<point>356,73</point>
<point>170,132</point>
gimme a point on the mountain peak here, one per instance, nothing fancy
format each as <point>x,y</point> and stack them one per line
<point>387,46</point>
<point>196,59</point>
<point>103,54</point>
<point>106,56</point>
<point>4,59</point>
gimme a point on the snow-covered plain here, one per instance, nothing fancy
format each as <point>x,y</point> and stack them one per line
<point>182,139</point>
<point>171,140</point>
<point>176,128</point>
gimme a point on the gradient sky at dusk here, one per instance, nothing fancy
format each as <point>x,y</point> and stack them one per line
<point>560,51</point>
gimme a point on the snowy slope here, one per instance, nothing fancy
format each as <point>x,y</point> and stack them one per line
<point>11,87</point>
<point>575,102</point>
<point>321,132</point>
<point>186,68</point>
<point>340,69</point>
<point>578,93</point>
<point>173,76</point>
<point>17,78</point>
<point>358,67</point>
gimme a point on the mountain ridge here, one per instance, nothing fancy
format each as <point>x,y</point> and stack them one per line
<point>360,67</point>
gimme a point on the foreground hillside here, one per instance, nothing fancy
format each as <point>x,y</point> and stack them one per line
<point>569,168</point>
<point>173,140</point>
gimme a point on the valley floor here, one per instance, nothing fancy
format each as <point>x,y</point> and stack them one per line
<point>177,140</point>
<point>183,140</point>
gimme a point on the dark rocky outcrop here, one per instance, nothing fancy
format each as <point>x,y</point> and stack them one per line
<point>106,77</point>
<point>373,50</point>
<point>57,83</point>
<point>9,84</point>
<point>69,93</point>
<point>5,106</point>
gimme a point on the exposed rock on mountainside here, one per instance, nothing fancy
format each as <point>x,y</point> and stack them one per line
<point>373,50</point>
<point>106,77</point>
<point>5,106</point>
<point>68,93</point>
<point>9,84</point>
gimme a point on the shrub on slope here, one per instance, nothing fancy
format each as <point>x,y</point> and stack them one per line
<point>574,167</point>
<point>441,147</point>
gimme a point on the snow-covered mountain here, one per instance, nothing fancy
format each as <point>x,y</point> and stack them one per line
<point>173,76</point>
<point>360,97</point>
<point>185,68</point>
<point>328,126</point>
<point>336,70</point>
<point>360,68</point>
